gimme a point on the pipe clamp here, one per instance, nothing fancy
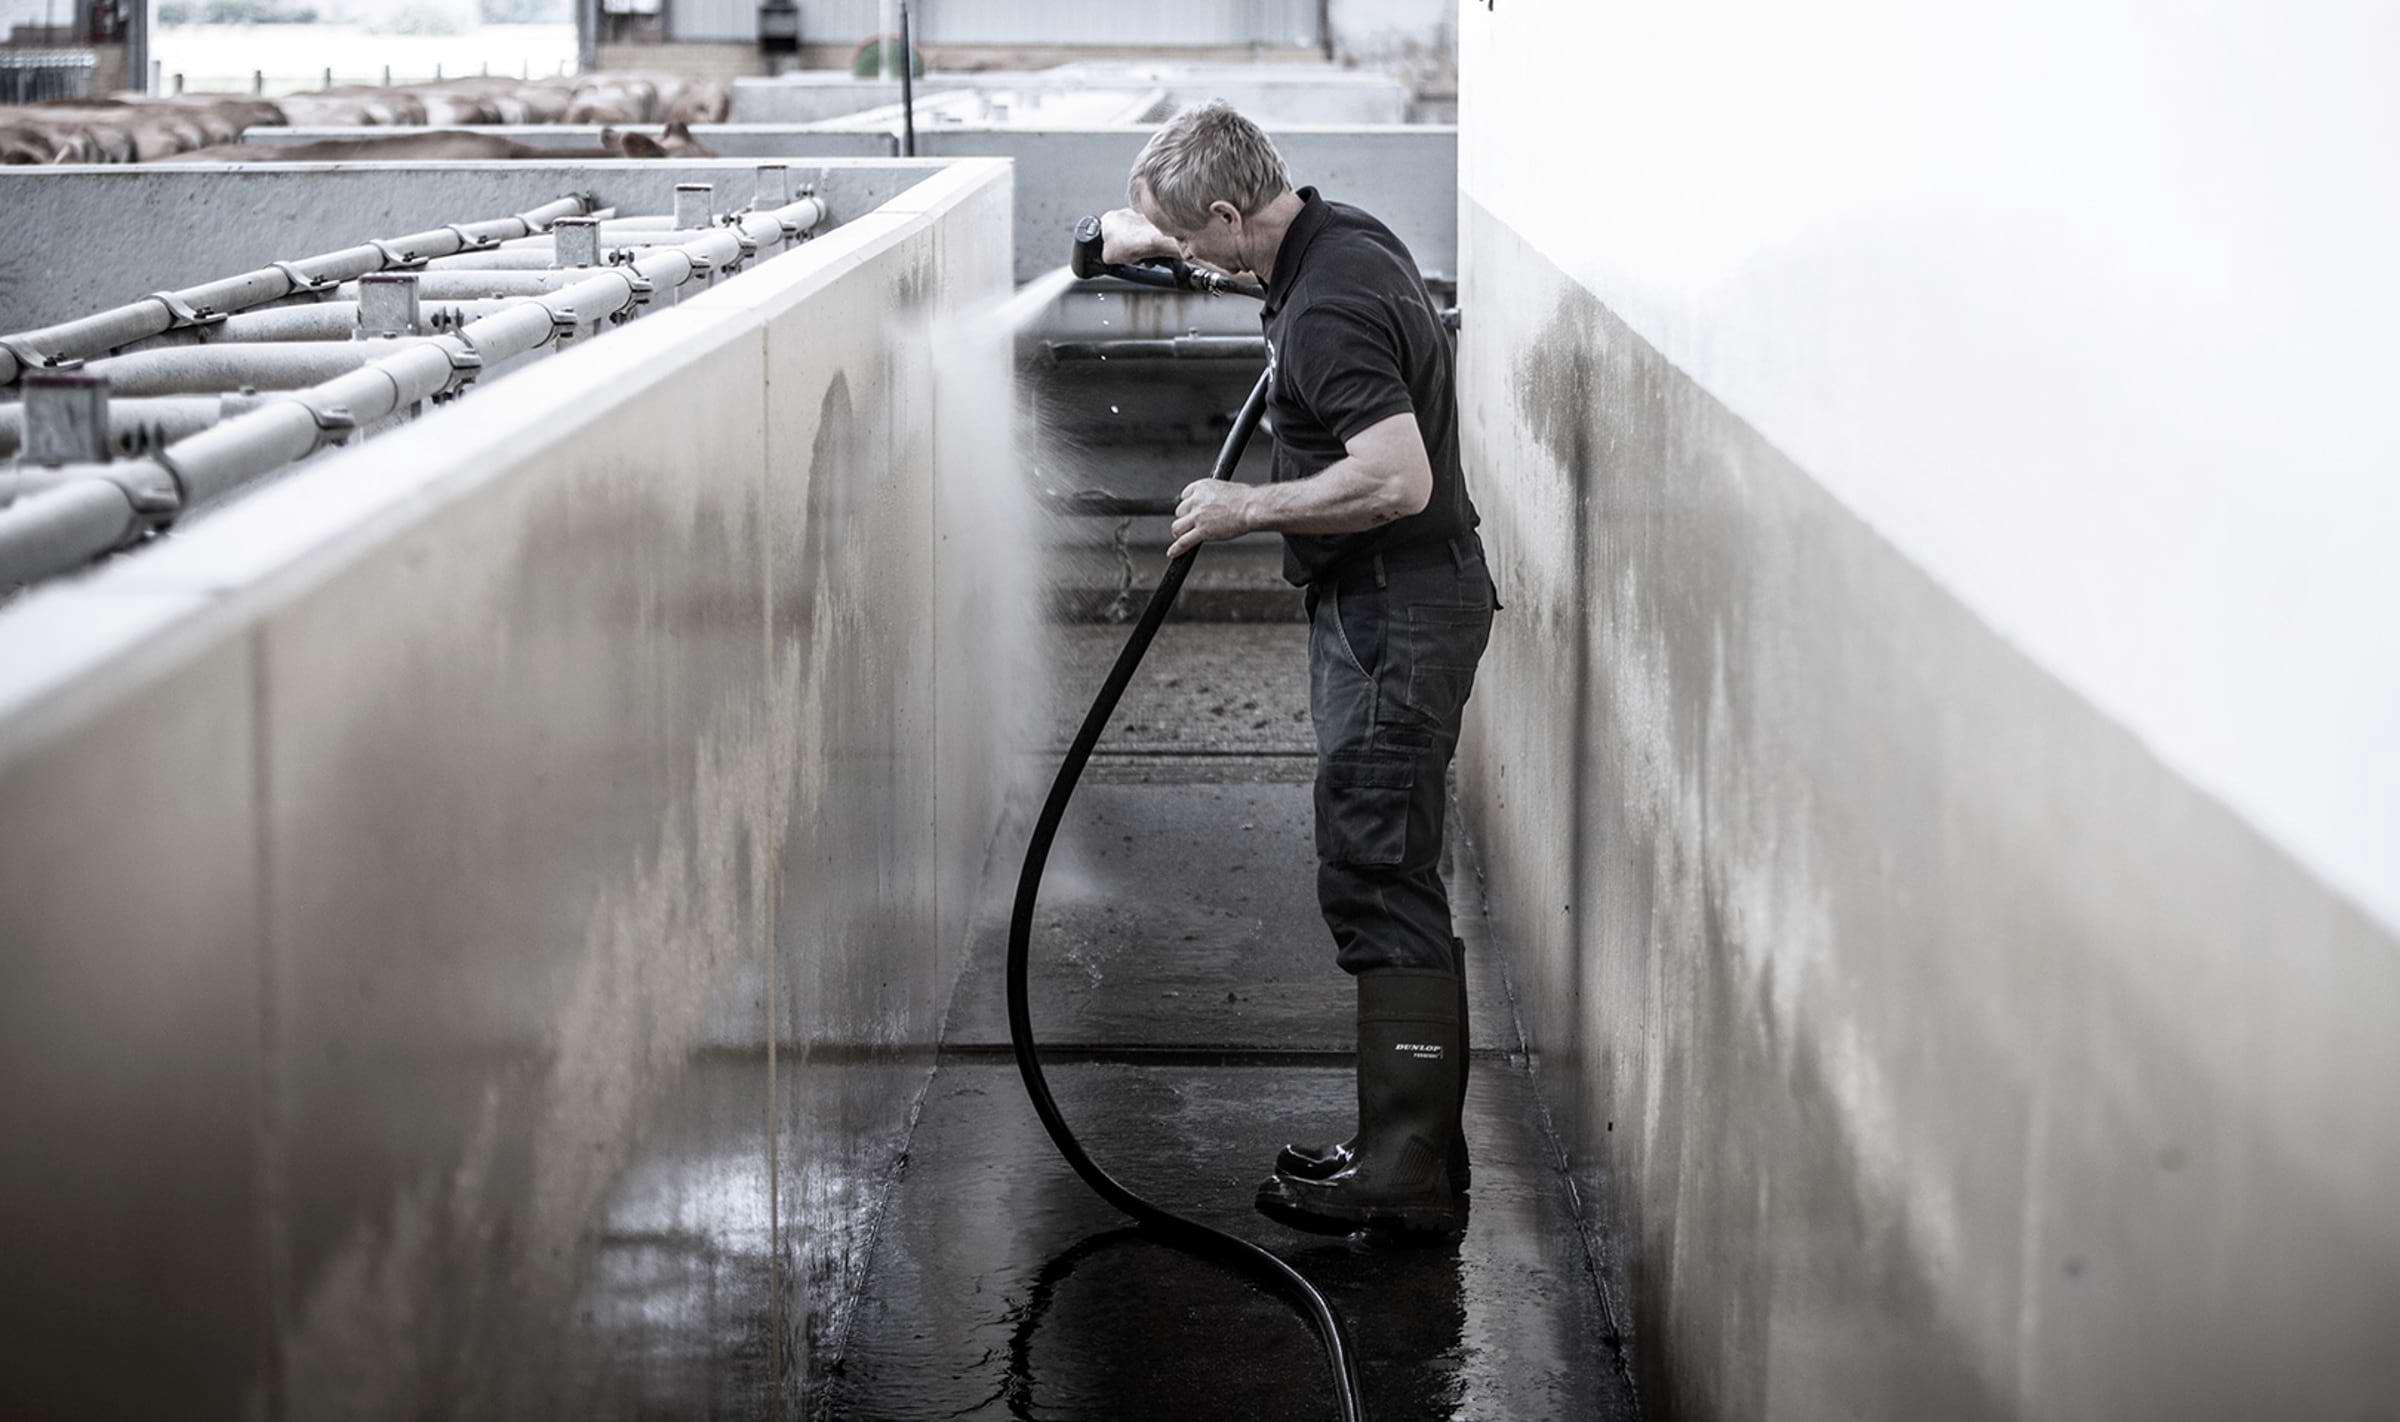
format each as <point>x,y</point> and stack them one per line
<point>638,289</point>
<point>395,260</point>
<point>151,489</point>
<point>466,363</point>
<point>182,315</point>
<point>30,359</point>
<point>302,283</point>
<point>467,241</point>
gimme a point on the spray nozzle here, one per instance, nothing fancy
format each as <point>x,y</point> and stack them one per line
<point>1085,259</point>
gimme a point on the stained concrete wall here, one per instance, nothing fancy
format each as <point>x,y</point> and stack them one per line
<point>76,239</point>
<point>478,911</point>
<point>1937,773</point>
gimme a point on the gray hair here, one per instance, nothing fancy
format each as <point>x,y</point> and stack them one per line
<point>1209,153</point>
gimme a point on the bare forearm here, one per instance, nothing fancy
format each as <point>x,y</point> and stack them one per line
<point>1386,478</point>
<point>1345,497</point>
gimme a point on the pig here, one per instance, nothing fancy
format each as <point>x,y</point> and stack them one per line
<point>449,147</point>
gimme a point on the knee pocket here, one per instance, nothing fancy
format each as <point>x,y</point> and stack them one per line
<point>1363,808</point>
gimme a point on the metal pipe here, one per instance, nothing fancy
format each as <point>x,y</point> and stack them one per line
<point>62,528</point>
<point>472,286</point>
<point>317,321</point>
<point>263,365</point>
<point>133,425</point>
<point>290,427</point>
<point>908,89</point>
<point>1165,348</point>
<point>610,229</point>
<point>98,334</point>
<point>662,237</point>
<point>69,516</point>
<point>521,260</point>
<point>546,257</point>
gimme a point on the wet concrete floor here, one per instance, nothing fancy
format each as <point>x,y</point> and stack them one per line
<point>1192,1019</point>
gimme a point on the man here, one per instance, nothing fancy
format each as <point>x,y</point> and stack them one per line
<point>1379,532</point>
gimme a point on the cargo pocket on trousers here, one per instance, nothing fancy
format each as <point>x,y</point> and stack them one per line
<point>1362,809</point>
<point>1444,645</point>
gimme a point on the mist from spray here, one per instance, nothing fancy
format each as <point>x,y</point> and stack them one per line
<point>995,541</point>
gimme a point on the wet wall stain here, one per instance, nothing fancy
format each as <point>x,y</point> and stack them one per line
<point>680,846</point>
<point>1851,942</point>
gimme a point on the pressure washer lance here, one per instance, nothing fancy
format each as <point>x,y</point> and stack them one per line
<point>1188,1235</point>
<point>1165,273</point>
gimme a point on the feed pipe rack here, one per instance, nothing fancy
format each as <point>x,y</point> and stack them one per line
<point>65,516</point>
<point>138,426</point>
<point>71,342</point>
<point>318,321</point>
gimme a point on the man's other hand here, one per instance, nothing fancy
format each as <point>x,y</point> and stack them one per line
<point>1211,509</point>
<point>1127,237</point>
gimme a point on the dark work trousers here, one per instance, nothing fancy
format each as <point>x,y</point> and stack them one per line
<point>1392,647</point>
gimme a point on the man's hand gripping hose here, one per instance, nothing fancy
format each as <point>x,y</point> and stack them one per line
<point>1165,273</point>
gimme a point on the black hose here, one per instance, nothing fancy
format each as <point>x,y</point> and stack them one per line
<point>1189,1235</point>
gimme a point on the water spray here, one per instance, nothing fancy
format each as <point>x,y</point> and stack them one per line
<point>1191,1236</point>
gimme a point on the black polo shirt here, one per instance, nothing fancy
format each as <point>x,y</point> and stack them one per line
<point>1353,338</point>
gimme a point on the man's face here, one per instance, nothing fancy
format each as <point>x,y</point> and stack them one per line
<point>1218,242</point>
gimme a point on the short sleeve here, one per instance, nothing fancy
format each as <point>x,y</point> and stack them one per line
<point>1344,368</point>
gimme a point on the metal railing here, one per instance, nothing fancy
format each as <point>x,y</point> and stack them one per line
<point>223,394</point>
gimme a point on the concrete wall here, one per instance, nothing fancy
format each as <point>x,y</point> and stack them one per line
<point>1070,22</point>
<point>1404,174</point>
<point>1273,94</point>
<point>77,239</point>
<point>726,140</point>
<point>1938,771</point>
<point>1417,40</point>
<point>478,910</point>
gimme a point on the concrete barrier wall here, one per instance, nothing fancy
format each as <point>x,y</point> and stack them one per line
<point>726,140</point>
<point>1406,175</point>
<point>74,240</point>
<point>547,818</point>
<point>1945,1021</point>
<point>1274,94</point>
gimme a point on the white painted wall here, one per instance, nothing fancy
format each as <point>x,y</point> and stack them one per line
<point>2089,306</point>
